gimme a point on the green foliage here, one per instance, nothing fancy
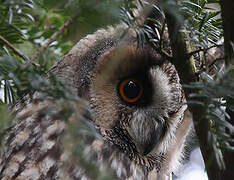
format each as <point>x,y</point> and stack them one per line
<point>203,23</point>
<point>31,23</point>
<point>14,16</point>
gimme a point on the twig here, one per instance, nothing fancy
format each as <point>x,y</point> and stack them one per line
<point>204,49</point>
<point>17,51</point>
<point>52,39</point>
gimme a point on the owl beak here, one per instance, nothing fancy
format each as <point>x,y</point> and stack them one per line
<point>145,147</point>
<point>147,135</point>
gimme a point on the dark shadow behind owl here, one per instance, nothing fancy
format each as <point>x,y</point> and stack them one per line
<point>135,103</point>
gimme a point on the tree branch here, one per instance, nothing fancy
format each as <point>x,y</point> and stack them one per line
<point>186,70</point>
<point>52,39</point>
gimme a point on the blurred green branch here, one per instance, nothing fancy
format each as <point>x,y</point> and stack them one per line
<point>17,51</point>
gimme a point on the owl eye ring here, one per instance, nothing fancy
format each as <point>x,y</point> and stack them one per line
<point>130,90</point>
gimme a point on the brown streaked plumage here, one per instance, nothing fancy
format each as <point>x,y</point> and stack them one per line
<point>140,140</point>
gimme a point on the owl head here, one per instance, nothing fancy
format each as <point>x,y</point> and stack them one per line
<point>134,93</point>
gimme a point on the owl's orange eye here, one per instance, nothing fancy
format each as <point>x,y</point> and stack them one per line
<point>130,90</point>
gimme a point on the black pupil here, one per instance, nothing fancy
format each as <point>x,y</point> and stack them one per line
<point>131,90</point>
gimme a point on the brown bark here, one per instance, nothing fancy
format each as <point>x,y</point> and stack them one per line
<point>227,8</point>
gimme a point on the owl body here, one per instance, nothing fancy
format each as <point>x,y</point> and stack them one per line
<point>137,106</point>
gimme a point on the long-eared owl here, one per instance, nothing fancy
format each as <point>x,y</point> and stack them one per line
<point>137,106</point>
